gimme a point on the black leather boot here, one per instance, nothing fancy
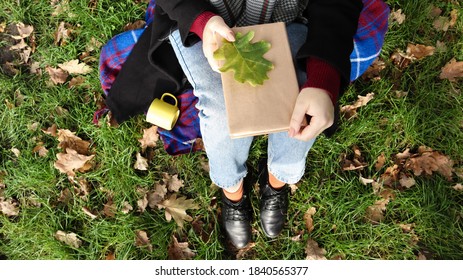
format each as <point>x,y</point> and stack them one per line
<point>236,220</point>
<point>273,206</point>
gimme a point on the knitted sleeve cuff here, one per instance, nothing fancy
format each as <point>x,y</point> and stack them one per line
<point>200,22</point>
<point>321,74</point>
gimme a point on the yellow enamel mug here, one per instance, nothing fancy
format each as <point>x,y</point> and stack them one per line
<point>163,114</point>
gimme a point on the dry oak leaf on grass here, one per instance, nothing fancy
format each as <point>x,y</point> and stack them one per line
<point>172,182</point>
<point>350,111</point>
<point>398,16</point>
<point>57,75</point>
<point>313,251</point>
<point>308,218</point>
<point>356,162</point>
<point>75,67</point>
<point>70,238</point>
<point>9,207</point>
<point>141,163</point>
<point>176,208</point>
<point>142,240</point>
<point>414,52</point>
<point>452,70</point>
<point>71,161</point>
<point>179,250</point>
<point>428,161</point>
<point>68,139</point>
<point>150,137</point>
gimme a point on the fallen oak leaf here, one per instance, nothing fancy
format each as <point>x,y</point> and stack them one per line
<point>397,15</point>
<point>313,251</point>
<point>452,70</point>
<point>458,187</point>
<point>57,75</point>
<point>9,207</point>
<point>173,183</point>
<point>68,139</point>
<point>141,163</point>
<point>74,67</point>
<point>70,238</point>
<point>308,219</point>
<point>176,208</point>
<point>142,240</point>
<point>350,111</point>
<point>179,250</point>
<point>70,161</point>
<point>150,137</point>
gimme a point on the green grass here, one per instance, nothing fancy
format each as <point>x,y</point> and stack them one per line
<point>431,114</point>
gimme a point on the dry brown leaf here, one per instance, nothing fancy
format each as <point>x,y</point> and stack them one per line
<point>51,130</point>
<point>75,67</point>
<point>142,203</point>
<point>365,181</point>
<point>70,238</point>
<point>458,187</point>
<point>76,81</point>
<point>375,212</point>
<point>16,152</point>
<point>308,218</point>
<point>57,75</point>
<point>109,209</point>
<point>142,240</point>
<point>373,71</point>
<point>150,138</point>
<point>22,31</point>
<point>350,111</point>
<point>60,7</point>
<point>380,161</point>
<point>452,70</point>
<point>173,183</point>
<point>9,207</point>
<point>407,182</point>
<point>40,150</point>
<point>176,208</point>
<point>453,17</point>
<point>293,188</point>
<point>404,155</point>
<point>391,176</point>
<point>89,213</point>
<point>313,251</point>
<point>441,23</point>
<point>65,196</point>
<point>68,139</point>
<point>179,250</point>
<point>156,196</point>
<point>70,161</point>
<point>398,16</point>
<point>419,51</point>
<point>135,25</point>
<point>355,162</point>
<point>141,163</point>
<point>430,161</point>
<point>62,34</point>
<point>407,227</point>
<point>126,207</point>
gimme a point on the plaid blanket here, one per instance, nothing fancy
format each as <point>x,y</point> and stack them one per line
<point>183,138</point>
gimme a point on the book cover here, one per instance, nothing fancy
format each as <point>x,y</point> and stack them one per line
<point>266,108</point>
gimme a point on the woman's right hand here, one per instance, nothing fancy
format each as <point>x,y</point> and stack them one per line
<point>215,26</point>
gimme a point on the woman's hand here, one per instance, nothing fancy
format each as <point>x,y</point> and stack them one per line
<point>316,103</point>
<point>214,26</point>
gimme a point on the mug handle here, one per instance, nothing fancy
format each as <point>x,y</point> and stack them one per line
<point>171,95</point>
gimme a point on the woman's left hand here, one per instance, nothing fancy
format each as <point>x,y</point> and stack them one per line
<point>316,103</point>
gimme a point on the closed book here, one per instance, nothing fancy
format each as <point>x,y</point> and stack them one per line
<point>263,109</point>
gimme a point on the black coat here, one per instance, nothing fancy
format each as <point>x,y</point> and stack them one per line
<point>152,67</point>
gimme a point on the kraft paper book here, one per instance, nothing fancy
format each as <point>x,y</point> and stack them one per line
<point>266,108</point>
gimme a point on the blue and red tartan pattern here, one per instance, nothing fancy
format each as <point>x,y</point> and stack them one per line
<point>182,139</point>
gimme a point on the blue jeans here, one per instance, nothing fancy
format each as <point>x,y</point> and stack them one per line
<point>227,157</point>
